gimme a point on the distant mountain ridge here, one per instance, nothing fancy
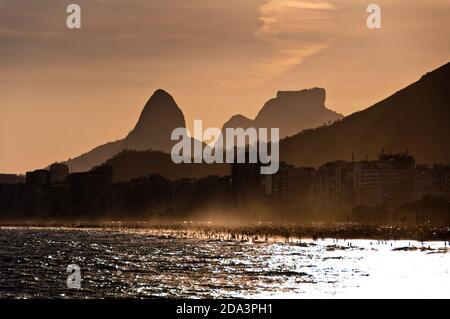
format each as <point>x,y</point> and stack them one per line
<point>159,117</point>
<point>130,164</point>
<point>415,118</point>
<point>290,111</point>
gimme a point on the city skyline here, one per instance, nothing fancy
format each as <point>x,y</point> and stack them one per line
<point>393,184</point>
<point>64,91</point>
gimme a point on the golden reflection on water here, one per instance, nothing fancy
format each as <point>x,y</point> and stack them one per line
<point>146,263</point>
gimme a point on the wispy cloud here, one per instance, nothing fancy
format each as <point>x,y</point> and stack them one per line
<point>291,27</point>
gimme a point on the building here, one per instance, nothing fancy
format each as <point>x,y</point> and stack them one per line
<point>35,195</point>
<point>423,182</point>
<point>12,179</point>
<point>248,185</point>
<point>58,173</point>
<point>184,196</point>
<point>367,183</point>
<point>89,192</point>
<point>12,200</point>
<point>441,181</point>
<point>397,172</point>
<point>388,182</point>
<point>299,185</point>
<point>333,186</point>
<point>38,177</point>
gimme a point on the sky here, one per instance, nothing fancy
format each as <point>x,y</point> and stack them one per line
<point>64,91</point>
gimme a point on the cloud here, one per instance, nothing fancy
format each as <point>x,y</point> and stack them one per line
<point>294,29</point>
<point>286,58</point>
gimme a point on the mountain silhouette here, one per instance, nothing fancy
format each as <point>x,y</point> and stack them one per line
<point>238,120</point>
<point>159,117</point>
<point>415,119</point>
<point>155,125</point>
<point>290,111</point>
<point>94,157</point>
<point>129,164</point>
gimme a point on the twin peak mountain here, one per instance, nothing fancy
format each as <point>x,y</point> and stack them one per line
<point>416,118</point>
<point>290,111</point>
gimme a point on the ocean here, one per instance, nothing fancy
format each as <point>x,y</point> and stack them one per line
<point>145,264</point>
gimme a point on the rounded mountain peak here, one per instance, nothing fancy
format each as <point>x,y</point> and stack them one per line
<point>160,116</point>
<point>160,93</point>
<point>160,98</point>
<point>161,104</point>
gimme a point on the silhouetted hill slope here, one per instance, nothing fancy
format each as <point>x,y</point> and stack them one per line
<point>159,117</point>
<point>294,111</point>
<point>94,157</point>
<point>238,120</point>
<point>415,118</point>
<point>290,111</point>
<point>132,164</point>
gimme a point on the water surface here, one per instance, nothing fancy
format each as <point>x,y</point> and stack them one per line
<point>142,264</point>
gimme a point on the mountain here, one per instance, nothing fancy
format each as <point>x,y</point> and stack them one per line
<point>238,120</point>
<point>156,123</point>
<point>159,117</point>
<point>94,157</point>
<point>130,164</point>
<point>290,111</point>
<point>415,118</point>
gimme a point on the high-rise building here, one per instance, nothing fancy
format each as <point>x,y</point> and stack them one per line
<point>332,186</point>
<point>58,173</point>
<point>38,177</point>
<point>397,178</point>
<point>388,182</point>
<point>423,182</point>
<point>248,184</point>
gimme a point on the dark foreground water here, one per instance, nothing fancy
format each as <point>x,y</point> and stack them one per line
<point>33,263</point>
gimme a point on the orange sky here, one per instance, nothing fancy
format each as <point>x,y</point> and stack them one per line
<point>63,92</point>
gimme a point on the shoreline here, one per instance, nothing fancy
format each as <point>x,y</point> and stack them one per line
<point>255,232</point>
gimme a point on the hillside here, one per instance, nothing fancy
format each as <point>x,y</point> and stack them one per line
<point>415,118</point>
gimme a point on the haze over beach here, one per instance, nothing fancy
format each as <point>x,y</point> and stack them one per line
<point>63,92</point>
